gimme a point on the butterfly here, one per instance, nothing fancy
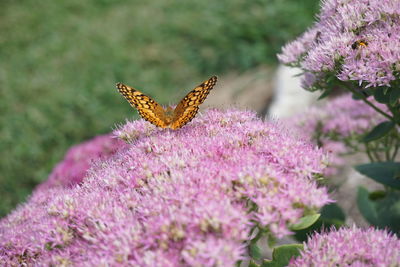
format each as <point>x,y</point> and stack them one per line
<point>176,118</point>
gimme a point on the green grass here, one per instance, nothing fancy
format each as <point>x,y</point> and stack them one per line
<point>59,61</point>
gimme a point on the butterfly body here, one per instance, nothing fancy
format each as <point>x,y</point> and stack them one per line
<point>176,118</point>
<point>169,116</point>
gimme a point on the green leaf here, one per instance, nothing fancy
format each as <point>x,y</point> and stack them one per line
<point>357,96</point>
<point>331,215</point>
<point>282,255</point>
<point>255,252</point>
<point>388,209</point>
<point>305,222</point>
<point>48,246</point>
<point>386,173</point>
<point>382,94</point>
<point>368,91</point>
<point>366,206</point>
<point>383,212</point>
<point>300,74</point>
<point>332,211</point>
<point>379,131</point>
<point>271,240</point>
<point>394,97</point>
<point>376,195</point>
<point>253,264</point>
<point>326,93</point>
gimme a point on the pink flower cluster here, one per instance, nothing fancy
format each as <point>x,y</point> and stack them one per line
<point>73,168</point>
<point>173,198</point>
<point>350,247</point>
<point>337,126</point>
<point>357,40</point>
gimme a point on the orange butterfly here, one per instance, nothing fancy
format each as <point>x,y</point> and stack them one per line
<point>153,112</point>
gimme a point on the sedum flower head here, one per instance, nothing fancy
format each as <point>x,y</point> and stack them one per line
<point>336,126</point>
<point>172,198</point>
<point>356,40</point>
<point>72,169</point>
<point>350,247</point>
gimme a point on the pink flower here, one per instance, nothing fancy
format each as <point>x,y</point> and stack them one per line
<point>350,247</point>
<point>172,198</point>
<point>354,40</point>
<point>73,168</point>
<point>337,126</point>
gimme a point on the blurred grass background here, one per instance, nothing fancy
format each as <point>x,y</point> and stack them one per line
<point>59,61</point>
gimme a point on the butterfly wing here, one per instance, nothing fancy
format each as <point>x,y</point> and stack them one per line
<point>149,109</point>
<point>189,105</point>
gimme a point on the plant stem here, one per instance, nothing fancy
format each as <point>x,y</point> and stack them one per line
<point>368,102</point>
<point>369,153</point>
<point>375,152</point>
<point>396,149</point>
<point>387,144</point>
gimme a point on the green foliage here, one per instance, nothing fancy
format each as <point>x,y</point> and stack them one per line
<point>60,60</point>
<point>333,212</point>
<point>366,206</point>
<point>305,222</point>
<point>386,173</point>
<point>325,94</point>
<point>394,97</point>
<point>379,131</point>
<point>282,255</point>
<point>255,251</point>
<point>253,264</point>
<point>382,94</point>
<point>331,215</point>
<point>383,211</point>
